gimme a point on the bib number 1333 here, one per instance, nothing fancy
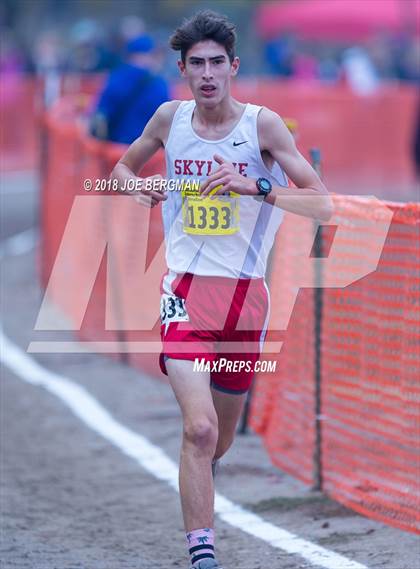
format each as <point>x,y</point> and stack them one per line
<point>205,216</point>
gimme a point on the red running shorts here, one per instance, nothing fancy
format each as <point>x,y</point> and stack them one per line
<point>216,320</point>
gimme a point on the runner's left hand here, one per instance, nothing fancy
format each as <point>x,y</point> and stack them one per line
<point>229,180</point>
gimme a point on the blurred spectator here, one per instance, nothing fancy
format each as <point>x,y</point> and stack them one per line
<point>280,53</point>
<point>381,53</point>
<point>381,58</point>
<point>359,71</point>
<point>329,69</point>
<point>89,51</point>
<point>305,66</point>
<point>49,52</point>
<point>131,95</point>
<point>49,60</point>
<point>408,59</point>
<point>11,67</point>
<point>131,27</point>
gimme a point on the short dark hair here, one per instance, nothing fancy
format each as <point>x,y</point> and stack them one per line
<point>205,25</point>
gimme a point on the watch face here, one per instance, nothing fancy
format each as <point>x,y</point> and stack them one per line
<point>265,184</point>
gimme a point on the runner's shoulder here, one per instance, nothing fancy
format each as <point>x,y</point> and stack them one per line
<point>270,126</point>
<point>161,122</point>
<point>166,111</point>
<point>268,118</point>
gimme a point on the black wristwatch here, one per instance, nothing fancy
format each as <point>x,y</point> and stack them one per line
<point>264,187</point>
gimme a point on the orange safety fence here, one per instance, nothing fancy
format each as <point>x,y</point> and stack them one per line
<point>370,369</point>
<point>106,221</point>
<point>22,100</point>
<point>369,336</point>
<point>18,130</point>
<point>370,374</point>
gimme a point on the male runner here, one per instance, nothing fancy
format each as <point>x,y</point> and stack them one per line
<point>214,299</point>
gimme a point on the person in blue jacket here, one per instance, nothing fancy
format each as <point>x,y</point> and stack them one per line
<point>131,94</point>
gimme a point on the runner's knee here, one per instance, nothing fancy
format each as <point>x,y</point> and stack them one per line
<point>201,432</point>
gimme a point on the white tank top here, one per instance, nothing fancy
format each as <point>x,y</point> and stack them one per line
<point>235,240</point>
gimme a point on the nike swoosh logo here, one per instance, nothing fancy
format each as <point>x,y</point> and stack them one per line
<point>239,143</point>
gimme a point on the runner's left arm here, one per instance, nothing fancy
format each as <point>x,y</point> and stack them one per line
<point>309,198</point>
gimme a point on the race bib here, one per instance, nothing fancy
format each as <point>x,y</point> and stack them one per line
<point>172,309</point>
<point>205,216</point>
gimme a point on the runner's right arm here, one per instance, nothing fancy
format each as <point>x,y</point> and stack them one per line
<point>141,150</point>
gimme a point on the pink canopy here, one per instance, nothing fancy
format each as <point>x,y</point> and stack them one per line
<point>345,20</point>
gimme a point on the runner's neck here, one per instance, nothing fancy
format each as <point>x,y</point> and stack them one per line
<point>217,119</point>
<point>227,110</point>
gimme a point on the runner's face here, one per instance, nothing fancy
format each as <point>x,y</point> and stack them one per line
<point>209,72</point>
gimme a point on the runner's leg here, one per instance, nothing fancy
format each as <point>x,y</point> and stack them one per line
<point>228,407</point>
<point>200,433</point>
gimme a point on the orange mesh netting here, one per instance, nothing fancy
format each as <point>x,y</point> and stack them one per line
<point>370,382</point>
<point>90,261</point>
<point>370,358</point>
<point>18,131</point>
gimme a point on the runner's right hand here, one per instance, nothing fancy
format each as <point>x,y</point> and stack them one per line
<point>150,198</point>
